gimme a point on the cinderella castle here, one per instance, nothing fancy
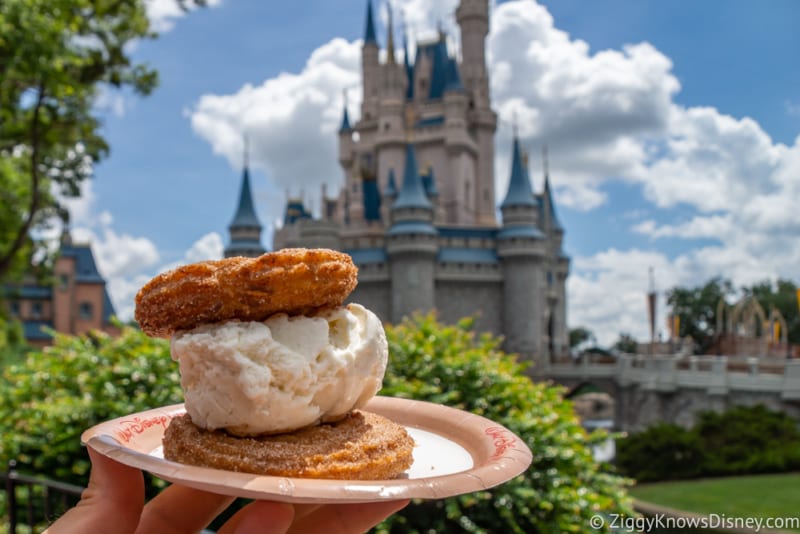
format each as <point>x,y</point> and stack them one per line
<point>418,212</point>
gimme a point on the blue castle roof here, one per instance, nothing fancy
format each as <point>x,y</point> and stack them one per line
<point>245,213</point>
<point>369,30</point>
<point>372,200</point>
<point>429,182</point>
<point>345,127</point>
<point>444,69</point>
<point>412,194</point>
<point>519,186</point>
<point>391,185</point>
<point>549,205</point>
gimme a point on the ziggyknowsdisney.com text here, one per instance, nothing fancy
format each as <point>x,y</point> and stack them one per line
<point>623,523</point>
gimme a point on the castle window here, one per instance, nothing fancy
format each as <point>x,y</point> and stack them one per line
<point>36,310</point>
<point>63,281</point>
<point>85,310</point>
<point>14,308</point>
<point>549,278</point>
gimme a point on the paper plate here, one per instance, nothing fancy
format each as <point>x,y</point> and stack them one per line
<point>456,452</point>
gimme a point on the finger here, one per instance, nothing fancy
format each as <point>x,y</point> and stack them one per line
<point>302,510</point>
<point>115,496</point>
<point>347,518</point>
<point>260,517</point>
<point>180,509</point>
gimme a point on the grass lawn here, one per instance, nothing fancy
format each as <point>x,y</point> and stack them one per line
<point>745,496</point>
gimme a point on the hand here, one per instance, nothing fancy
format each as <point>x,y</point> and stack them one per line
<point>114,501</point>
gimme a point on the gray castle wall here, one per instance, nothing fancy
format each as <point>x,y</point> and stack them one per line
<point>481,299</point>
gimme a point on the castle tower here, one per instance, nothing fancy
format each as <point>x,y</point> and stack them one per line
<point>521,248</point>
<point>370,69</point>
<point>557,332</point>
<point>473,20</point>
<point>417,211</point>
<point>411,245</point>
<point>245,228</point>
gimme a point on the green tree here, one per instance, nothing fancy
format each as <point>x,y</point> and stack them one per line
<point>626,343</point>
<point>579,335</point>
<point>697,309</point>
<point>781,295</point>
<point>49,399</point>
<point>55,56</point>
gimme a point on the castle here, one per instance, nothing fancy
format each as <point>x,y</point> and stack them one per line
<point>75,301</point>
<point>417,211</point>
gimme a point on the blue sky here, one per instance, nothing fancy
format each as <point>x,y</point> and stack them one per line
<point>672,129</point>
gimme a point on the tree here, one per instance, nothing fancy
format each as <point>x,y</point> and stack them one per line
<point>626,343</point>
<point>697,309</point>
<point>55,57</point>
<point>579,335</point>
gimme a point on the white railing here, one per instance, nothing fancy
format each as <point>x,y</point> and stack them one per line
<point>717,374</point>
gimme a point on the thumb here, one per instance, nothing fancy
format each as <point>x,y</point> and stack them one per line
<point>113,499</point>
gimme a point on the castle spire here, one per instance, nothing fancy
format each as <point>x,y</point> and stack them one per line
<point>407,62</point>
<point>345,127</point>
<point>519,186</point>
<point>369,30</point>
<point>549,206</point>
<point>412,193</point>
<point>245,228</point>
<point>390,37</point>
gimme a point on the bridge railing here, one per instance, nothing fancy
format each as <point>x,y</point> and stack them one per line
<point>717,374</point>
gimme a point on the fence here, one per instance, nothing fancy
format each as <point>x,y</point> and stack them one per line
<point>35,501</point>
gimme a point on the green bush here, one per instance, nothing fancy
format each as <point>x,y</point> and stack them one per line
<point>662,452</point>
<point>564,486</point>
<point>742,440</point>
<point>749,440</point>
<point>47,401</point>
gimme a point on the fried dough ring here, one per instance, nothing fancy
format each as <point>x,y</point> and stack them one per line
<point>362,446</point>
<point>293,281</point>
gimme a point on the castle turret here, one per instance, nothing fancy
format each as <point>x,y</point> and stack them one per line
<point>473,19</point>
<point>370,69</point>
<point>411,244</point>
<point>521,248</point>
<point>346,145</point>
<point>557,334</point>
<point>245,228</point>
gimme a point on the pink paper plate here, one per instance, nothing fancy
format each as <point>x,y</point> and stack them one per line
<point>456,452</point>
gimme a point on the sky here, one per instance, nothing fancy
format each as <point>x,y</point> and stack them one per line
<point>673,134</point>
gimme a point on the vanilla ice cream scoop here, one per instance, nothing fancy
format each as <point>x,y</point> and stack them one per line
<point>282,374</point>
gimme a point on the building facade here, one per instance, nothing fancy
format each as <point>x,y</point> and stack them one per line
<point>75,302</point>
<point>418,211</point>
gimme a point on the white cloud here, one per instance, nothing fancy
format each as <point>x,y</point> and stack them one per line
<point>164,13</point>
<point>290,120</point>
<point>608,292</point>
<point>593,110</point>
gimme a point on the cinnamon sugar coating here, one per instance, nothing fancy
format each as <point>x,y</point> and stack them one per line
<point>362,446</point>
<point>292,281</point>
